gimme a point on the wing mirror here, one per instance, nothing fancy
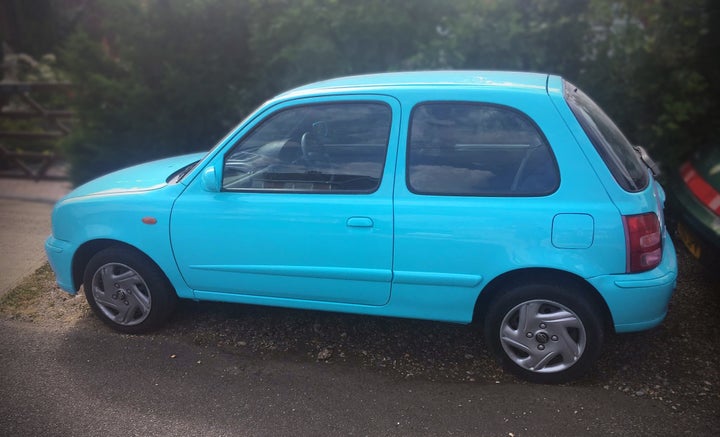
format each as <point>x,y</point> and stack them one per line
<point>211,179</point>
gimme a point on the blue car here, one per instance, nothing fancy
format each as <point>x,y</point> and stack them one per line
<point>506,198</point>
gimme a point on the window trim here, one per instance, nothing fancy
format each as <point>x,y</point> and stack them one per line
<point>520,113</point>
<point>283,108</point>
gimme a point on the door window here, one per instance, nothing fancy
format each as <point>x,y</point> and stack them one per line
<point>321,148</point>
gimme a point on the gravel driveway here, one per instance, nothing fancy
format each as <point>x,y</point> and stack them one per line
<point>676,365</point>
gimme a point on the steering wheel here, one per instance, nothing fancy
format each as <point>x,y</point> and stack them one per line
<point>307,144</point>
<point>311,148</point>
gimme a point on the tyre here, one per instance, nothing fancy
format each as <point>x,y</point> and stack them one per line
<point>544,333</point>
<point>127,290</point>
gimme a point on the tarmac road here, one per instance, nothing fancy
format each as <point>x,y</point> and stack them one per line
<point>25,208</point>
<point>90,382</point>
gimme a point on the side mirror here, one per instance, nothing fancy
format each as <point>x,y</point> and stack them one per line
<point>211,179</point>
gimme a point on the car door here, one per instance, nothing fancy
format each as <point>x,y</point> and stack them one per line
<point>304,209</point>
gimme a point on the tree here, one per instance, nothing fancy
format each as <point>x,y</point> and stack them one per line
<point>164,77</point>
<point>295,42</point>
<point>646,70</point>
<point>155,79</point>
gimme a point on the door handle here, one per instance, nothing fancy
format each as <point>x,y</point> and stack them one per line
<point>360,222</point>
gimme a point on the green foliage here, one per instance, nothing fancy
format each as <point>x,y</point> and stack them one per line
<point>34,26</point>
<point>295,42</point>
<point>645,71</point>
<point>519,35</point>
<point>161,77</point>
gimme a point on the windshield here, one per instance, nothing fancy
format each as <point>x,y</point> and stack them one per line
<point>617,152</point>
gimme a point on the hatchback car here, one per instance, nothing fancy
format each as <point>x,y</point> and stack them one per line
<point>506,198</point>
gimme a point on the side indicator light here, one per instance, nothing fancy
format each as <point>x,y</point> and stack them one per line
<point>149,220</point>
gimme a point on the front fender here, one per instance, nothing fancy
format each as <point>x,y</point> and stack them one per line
<point>139,219</point>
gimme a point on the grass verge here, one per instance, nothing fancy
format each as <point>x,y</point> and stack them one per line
<point>38,299</point>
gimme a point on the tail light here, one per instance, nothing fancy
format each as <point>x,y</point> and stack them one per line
<point>643,241</point>
<point>704,192</point>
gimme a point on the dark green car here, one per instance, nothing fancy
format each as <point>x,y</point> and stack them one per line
<point>695,203</point>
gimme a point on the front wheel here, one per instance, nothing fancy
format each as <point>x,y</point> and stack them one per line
<point>127,290</point>
<point>544,333</point>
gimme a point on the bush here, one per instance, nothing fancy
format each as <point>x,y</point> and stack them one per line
<point>158,78</point>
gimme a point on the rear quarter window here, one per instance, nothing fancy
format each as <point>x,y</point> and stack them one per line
<point>615,150</point>
<point>475,149</point>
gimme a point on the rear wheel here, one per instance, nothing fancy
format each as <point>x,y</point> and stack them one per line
<point>127,290</point>
<point>544,333</point>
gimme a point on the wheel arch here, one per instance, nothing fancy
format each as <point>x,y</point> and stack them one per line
<point>540,276</point>
<point>88,249</point>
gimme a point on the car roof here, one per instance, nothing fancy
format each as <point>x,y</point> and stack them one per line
<point>421,79</point>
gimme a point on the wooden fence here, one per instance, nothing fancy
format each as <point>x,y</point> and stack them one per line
<point>31,151</point>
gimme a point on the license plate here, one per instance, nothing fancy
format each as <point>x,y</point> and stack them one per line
<point>689,240</point>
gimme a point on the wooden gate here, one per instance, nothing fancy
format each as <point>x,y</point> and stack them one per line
<point>32,148</point>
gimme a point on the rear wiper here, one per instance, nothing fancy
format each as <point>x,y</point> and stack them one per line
<point>647,160</point>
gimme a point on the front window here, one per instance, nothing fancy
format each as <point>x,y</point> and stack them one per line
<point>321,148</point>
<point>617,152</point>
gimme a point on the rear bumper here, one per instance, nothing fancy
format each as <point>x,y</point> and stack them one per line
<point>639,301</point>
<point>60,254</point>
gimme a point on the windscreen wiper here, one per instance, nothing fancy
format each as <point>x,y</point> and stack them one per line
<point>647,160</point>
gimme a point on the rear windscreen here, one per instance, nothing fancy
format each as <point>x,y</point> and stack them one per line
<point>617,152</point>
